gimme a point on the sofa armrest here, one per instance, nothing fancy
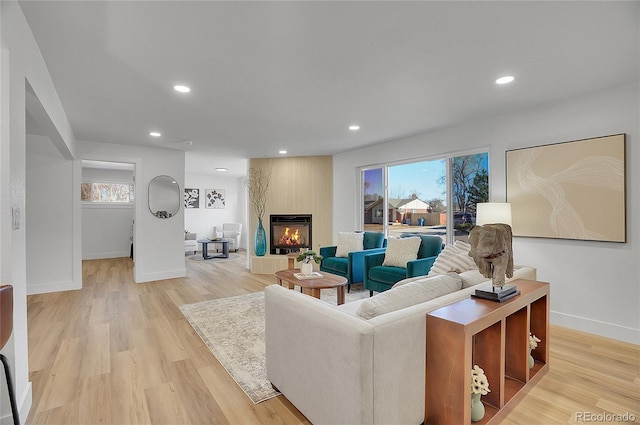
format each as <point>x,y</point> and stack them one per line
<point>328,251</point>
<point>420,266</point>
<point>373,260</point>
<point>356,262</point>
<point>319,356</point>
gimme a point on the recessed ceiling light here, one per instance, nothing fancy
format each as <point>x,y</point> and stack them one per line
<point>222,169</point>
<point>505,80</point>
<point>354,127</point>
<point>282,152</point>
<point>155,134</point>
<point>181,89</point>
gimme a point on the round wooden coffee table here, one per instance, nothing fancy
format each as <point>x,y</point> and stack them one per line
<point>312,286</point>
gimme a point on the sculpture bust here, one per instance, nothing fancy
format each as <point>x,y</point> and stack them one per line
<point>492,252</point>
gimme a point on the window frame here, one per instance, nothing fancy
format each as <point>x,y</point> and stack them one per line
<point>448,157</point>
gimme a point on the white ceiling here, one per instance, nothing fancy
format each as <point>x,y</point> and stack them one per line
<point>293,75</point>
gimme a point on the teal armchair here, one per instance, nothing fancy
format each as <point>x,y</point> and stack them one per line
<point>380,278</point>
<point>352,267</point>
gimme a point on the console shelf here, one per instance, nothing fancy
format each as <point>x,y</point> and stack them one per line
<point>494,336</point>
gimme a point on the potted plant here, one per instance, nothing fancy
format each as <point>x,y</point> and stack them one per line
<point>479,387</point>
<point>533,344</point>
<point>305,258</point>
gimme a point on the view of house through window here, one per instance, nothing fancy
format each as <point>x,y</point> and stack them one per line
<point>107,192</point>
<point>418,194</point>
<point>373,202</point>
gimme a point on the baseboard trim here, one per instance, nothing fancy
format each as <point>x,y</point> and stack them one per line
<point>608,330</point>
<point>150,277</point>
<point>45,288</point>
<point>103,255</point>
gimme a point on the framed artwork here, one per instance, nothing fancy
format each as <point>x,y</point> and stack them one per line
<point>191,198</point>
<point>571,190</point>
<point>85,191</point>
<point>214,198</point>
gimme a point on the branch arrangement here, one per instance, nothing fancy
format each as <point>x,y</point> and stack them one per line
<point>257,183</point>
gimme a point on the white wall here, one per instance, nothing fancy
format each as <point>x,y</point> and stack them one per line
<point>23,69</point>
<point>202,220</point>
<point>158,243</point>
<point>594,285</point>
<point>49,218</point>
<point>106,228</point>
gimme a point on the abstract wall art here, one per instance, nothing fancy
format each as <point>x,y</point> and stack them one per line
<point>570,190</point>
<point>215,198</point>
<point>191,198</point>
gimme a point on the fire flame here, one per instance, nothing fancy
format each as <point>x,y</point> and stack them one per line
<point>293,239</point>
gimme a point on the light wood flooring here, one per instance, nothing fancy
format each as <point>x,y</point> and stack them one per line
<point>121,353</point>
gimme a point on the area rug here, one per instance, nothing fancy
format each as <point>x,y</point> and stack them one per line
<point>233,256</point>
<point>233,329</point>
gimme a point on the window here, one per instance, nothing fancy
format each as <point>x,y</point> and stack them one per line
<point>372,202</point>
<point>417,195</point>
<point>106,192</point>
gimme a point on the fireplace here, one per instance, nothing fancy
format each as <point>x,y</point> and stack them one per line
<point>289,233</point>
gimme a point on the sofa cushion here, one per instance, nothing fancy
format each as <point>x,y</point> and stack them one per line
<point>412,293</point>
<point>453,258</point>
<point>388,275</point>
<point>373,240</point>
<point>336,265</point>
<point>348,242</point>
<point>472,277</point>
<point>400,251</point>
<point>413,279</point>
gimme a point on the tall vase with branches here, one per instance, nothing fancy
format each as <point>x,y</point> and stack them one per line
<point>257,183</point>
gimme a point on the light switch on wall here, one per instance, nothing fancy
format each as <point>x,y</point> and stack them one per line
<point>15,218</point>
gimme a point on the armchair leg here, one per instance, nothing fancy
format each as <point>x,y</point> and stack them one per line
<point>348,288</point>
<point>12,396</point>
<point>371,293</point>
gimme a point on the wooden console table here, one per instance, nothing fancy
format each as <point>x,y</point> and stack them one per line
<point>494,336</point>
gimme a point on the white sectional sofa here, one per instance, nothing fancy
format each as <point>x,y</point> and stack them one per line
<point>337,367</point>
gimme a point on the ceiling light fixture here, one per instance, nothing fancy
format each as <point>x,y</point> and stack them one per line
<point>354,127</point>
<point>222,169</point>
<point>505,80</point>
<point>181,89</point>
<point>155,134</point>
<point>282,152</point>
<point>188,142</point>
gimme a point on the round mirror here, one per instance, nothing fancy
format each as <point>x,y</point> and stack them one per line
<point>164,197</point>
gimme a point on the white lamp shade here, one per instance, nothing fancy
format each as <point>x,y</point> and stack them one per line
<point>493,212</point>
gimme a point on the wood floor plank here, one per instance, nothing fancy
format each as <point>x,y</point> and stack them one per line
<point>118,352</point>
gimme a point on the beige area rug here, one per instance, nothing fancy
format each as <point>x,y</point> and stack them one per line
<point>233,329</point>
<point>233,256</point>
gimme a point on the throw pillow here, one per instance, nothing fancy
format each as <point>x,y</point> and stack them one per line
<point>453,258</point>
<point>411,293</point>
<point>348,242</point>
<point>400,251</point>
<point>228,234</point>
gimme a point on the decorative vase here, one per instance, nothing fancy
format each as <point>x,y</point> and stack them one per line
<point>477,408</point>
<point>306,269</point>
<point>531,360</point>
<point>260,241</point>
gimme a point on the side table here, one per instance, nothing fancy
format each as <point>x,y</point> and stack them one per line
<point>494,336</point>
